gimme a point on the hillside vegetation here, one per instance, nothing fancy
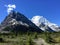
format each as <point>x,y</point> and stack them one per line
<point>30,38</point>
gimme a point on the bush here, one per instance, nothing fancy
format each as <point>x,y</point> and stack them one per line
<point>35,35</point>
<point>29,41</point>
<point>1,40</point>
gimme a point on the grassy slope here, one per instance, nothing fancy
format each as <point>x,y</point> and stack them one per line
<point>27,38</point>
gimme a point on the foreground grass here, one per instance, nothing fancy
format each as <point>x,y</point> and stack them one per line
<point>28,38</point>
<point>23,39</point>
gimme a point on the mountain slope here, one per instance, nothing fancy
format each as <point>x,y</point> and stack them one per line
<point>18,22</point>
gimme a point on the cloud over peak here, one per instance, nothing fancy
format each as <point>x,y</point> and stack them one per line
<point>10,7</point>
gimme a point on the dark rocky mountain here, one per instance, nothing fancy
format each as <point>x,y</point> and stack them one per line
<point>16,21</point>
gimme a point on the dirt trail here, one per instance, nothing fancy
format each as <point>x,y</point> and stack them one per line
<point>40,41</point>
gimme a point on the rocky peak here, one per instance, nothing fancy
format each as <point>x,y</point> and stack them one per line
<point>18,21</point>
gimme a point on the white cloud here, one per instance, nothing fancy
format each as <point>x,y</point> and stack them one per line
<point>10,7</point>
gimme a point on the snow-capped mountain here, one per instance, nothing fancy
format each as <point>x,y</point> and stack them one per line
<point>43,24</point>
<point>17,21</point>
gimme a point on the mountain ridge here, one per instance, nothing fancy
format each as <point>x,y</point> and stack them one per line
<point>17,21</point>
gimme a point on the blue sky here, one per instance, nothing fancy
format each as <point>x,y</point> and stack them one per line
<point>50,9</point>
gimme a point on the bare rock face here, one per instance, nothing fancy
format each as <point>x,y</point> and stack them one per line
<point>18,22</point>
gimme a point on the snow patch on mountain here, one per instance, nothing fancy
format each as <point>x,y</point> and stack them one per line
<point>13,22</point>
